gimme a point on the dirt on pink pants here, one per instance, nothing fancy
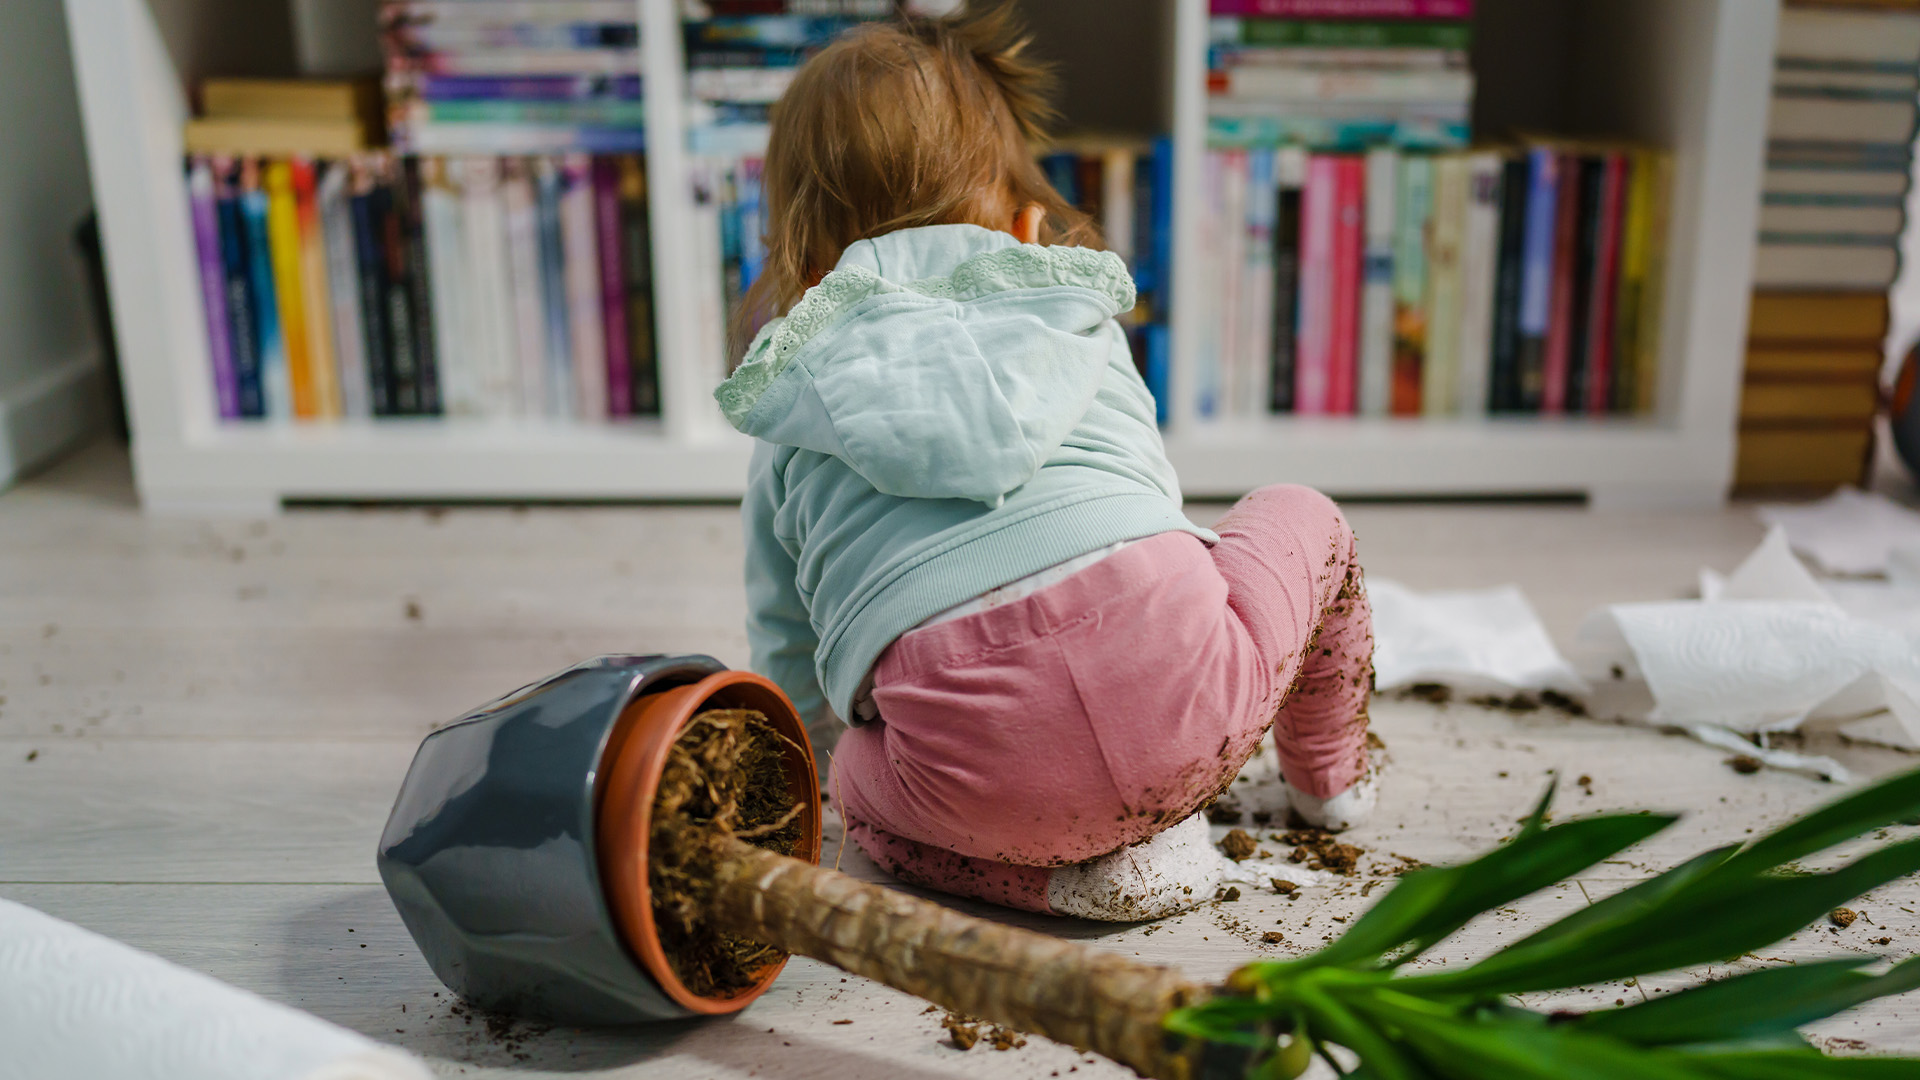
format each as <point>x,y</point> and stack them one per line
<point>1113,704</point>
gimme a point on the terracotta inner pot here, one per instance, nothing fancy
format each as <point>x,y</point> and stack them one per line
<point>630,769</point>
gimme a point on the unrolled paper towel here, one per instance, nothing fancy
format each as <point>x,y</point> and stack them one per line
<point>77,1005</point>
<point>1476,641</point>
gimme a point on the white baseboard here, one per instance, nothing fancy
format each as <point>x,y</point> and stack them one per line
<point>48,414</point>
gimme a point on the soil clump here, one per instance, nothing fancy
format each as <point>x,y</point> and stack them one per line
<point>725,777</point>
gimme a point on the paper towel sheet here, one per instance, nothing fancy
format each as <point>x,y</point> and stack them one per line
<point>1767,649</point>
<point>77,1005</point>
<point>1477,641</point>
<point>1852,532</point>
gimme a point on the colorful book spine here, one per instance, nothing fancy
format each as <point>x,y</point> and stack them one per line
<point>1411,220</point>
<point>1603,292</point>
<point>636,248</point>
<point>1232,256</point>
<point>213,285</point>
<point>1290,175</point>
<point>1349,253</point>
<point>532,88</point>
<point>343,288</point>
<point>1319,205</point>
<point>403,369</point>
<point>419,279</point>
<point>447,259</point>
<point>1257,282</point>
<point>242,306</point>
<point>562,403</point>
<point>1460,10</point>
<point>1376,291</point>
<point>283,240</point>
<point>494,336</point>
<point>1648,323</point>
<point>1479,268</point>
<point>616,361</point>
<point>1438,374</point>
<point>1159,354</point>
<point>586,332</point>
<point>521,208</point>
<point>315,293</point>
<point>1503,394</point>
<point>1536,282</point>
<point>1557,356</point>
<point>370,252</point>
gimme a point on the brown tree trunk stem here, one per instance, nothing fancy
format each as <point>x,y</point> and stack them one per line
<point>1070,993</point>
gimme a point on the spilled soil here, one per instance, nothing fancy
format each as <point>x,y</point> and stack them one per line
<point>725,776</point>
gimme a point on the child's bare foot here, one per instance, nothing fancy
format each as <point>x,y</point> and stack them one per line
<point>1162,875</point>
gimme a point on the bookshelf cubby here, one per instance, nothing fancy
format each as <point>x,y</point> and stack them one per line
<point>1690,75</point>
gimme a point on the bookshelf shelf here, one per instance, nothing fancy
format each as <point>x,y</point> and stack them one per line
<point>1689,74</point>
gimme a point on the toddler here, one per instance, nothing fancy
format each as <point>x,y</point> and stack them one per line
<point>963,535</point>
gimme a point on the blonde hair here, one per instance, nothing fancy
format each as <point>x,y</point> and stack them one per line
<point>902,124</point>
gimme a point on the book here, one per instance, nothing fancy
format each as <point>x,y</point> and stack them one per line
<point>495,335</point>
<point>276,391</point>
<point>616,362</point>
<point>1845,35</point>
<point>316,300</point>
<point>343,289</point>
<point>1648,323</point>
<point>585,114</point>
<point>1343,134</point>
<point>242,305</point>
<point>1319,205</point>
<point>283,246</point>
<point>1810,457</point>
<point>1213,279</point>
<point>447,259</point>
<point>1444,287</point>
<point>355,100</point>
<point>520,206</point>
<point>446,36</point>
<point>1345,9</point>
<point>1232,261</point>
<point>1816,79</point>
<point>274,137</point>
<point>1340,34</point>
<point>1603,290</point>
<point>1349,246</point>
<point>1256,336</point>
<point>523,88</point>
<point>1119,211</point>
<point>1782,263</point>
<point>504,11</point>
<point>1556,356</point>
<point>1819,119</point>
<point>1290,175</point>
<point>1348,58</point>
<point>419,286</point>
<point>1777,317</point>
<point>1786,179</point>
<point>518,61</point>
<point>213,287</point>
<point>1582,271</point>
<point>1155,338</point>
<point>708,9</point>
<point>1828,400</point>
<point>1537,274</point>
<point>556,334</point>
<point>403,362</point>
<point>370,252</point>
<point>1813,362</point>
<point>1503,392</point>
<point>461,138</point>
<point>1384,86</point>
<point>636,246</point>
<point>1479,267</point>
<point>579,242</point>
<point>1832,218</point>
<point>1412,216</point>
<point>768,31</point>
<point>1376,299</point>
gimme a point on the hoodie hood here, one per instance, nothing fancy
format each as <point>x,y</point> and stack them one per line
<point>943,362</point>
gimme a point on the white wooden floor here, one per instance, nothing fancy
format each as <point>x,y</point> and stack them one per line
<point>202,726</point>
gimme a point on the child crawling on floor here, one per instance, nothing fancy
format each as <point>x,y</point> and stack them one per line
<point>963,534</point>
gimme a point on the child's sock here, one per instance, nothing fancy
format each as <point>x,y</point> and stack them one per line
<point>1344,810</point>
<point>1162,875</point>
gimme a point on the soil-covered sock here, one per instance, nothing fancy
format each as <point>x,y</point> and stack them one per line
<point>1162,875</point>
<point>1344,810</point>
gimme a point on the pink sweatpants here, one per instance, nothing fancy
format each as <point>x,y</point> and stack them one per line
<point>1113,704</point>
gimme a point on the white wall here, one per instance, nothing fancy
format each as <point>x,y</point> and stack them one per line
<point>49,391</point>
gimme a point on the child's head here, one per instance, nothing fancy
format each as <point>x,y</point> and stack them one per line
<point>904,124</point>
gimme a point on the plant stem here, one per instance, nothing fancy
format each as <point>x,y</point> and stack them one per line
<point>1070,993</point>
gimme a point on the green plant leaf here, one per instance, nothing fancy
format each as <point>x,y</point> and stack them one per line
<point>1502,1050</point>
<point>1714,918</point>
<point>1758,1003</point>
<point>1894,799</point>
<point>1426,906</point>
<point>1794,1065</point>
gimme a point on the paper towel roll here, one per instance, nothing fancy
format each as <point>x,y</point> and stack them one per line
<point>78,1006</point>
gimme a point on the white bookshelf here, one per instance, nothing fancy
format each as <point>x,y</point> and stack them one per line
<point>1689,74</point>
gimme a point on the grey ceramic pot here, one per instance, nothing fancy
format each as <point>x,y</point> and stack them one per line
<point>489,853</point>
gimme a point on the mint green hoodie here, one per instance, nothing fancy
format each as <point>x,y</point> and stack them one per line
<point>948,411</point>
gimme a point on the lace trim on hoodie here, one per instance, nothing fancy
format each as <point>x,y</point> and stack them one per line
<point>1028,266</point>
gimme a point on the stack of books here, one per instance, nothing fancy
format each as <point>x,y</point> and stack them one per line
<point>1340,74</point>
<point>1839,151</point>
<point>1397,282</point>
<point>741,56</point>
<point>513,76</point>
<point>1126,187</point>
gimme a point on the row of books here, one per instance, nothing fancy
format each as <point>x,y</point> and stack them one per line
<point>513,76</point>
<point>1339,75</point>
<point>383,286</point>
<point>738,65</point>
<point>1523,280</point>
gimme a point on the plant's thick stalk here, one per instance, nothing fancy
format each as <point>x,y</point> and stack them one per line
<point>1067,992</point>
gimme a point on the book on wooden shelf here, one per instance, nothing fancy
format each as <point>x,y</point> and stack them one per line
<point>1808,458</point>
<point>1460,10</point>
